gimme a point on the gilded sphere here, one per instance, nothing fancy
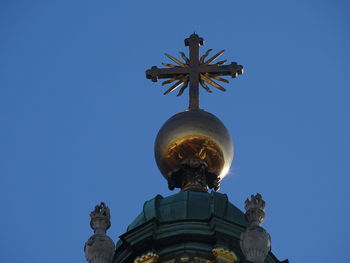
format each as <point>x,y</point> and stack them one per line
<point>194,134</point>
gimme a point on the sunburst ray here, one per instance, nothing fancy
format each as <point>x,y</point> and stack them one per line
<point>201,60</point>
<point>184,86</point>
<point>220,62</point>
<point>185,58</point>
<point>205,86</point>
<point>173,87</point>
<point>176,60</point>
<point>172,80</point>
<point>213,83</point>
<point>214,57</point>
<point>169,65</point>
<point>217,78</point>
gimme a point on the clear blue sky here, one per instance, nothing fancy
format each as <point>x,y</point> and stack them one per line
<point>78,118</point>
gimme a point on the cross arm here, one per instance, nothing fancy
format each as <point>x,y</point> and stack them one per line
<point>156,73</point>
<point>225,70</point>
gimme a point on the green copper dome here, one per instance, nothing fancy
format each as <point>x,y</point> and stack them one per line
<point>190,224</point>
<point>189,205</point>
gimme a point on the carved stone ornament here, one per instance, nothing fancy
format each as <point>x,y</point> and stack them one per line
<point>255,244</point>
<point>224,256</point>
<point>255,241</point>
<point>193,175</point>
<point>254,207</point>
<point>149,257</point>
<point>100,218</point>
<point>100,248</point>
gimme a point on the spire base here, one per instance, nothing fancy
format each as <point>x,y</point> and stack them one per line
<point>193,174</point>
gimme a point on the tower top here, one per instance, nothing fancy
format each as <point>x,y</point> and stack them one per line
<point>193,149</point>
<point>193,71</point>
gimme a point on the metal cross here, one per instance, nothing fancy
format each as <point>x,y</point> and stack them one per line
<point>194,71</point>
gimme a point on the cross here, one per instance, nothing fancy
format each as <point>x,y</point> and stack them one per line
<point>194,71</point>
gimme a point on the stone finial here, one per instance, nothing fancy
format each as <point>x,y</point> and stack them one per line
<point>100,218</point>
<point>100,248</point>
<point>254,207</point>
<point>255,241</point>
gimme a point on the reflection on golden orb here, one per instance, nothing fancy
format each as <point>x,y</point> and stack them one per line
<point>194,135</point>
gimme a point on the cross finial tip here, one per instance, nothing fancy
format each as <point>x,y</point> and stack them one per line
<point>194,38</point>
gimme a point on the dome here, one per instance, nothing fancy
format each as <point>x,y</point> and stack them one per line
<point>189,205</point>
<point>189,222</point>
<point>186,224</point>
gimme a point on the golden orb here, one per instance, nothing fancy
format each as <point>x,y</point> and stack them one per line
<point>190,135</point>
